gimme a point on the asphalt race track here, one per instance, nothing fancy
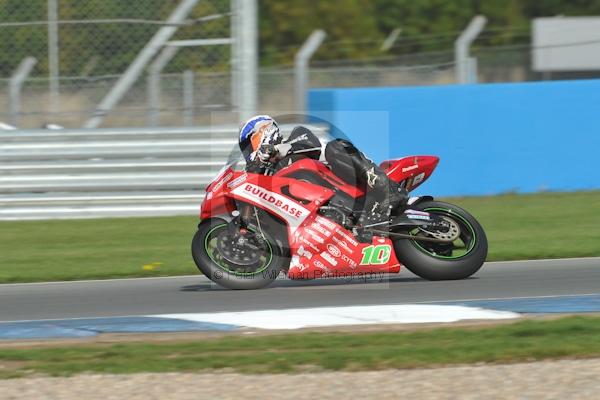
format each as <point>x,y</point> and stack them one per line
<point>195,294</point>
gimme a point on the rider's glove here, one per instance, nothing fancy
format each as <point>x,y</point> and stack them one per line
<point>266,152</point>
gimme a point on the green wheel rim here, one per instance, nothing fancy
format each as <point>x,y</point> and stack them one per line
<point>226,268</point>
<point>465,223</point>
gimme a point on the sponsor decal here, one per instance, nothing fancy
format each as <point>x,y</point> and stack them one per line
<point>342,244</point>
<point>320,229</point>
<point>315,237</point>
<point>292,212</point>
<point>304,253</point>
<point>295,263</point>
<point>327,257</point>
<point>349,261</point>
<point>416,212</point>
<point>347,237</point>
<point>325,222</point>
<point>418,179</point>
<point>319,264</point>
<point>299,138</point>
<point>309,244</point>
<point>304,267</point>
<point>219,184</point>
<point>279,202</point>
<point>417,216</point>
<point>410,168</point>
<point>238,181</point>
<point>333,250</point>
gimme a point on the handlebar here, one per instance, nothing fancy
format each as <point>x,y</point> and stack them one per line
<point>268,167</point>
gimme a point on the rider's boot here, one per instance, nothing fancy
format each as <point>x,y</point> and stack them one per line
<point>383,196</point>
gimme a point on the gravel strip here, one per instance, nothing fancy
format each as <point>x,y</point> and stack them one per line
<point>565,379</point>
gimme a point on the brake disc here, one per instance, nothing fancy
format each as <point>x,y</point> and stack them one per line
<point>238,250</point>
<point>451,235</point>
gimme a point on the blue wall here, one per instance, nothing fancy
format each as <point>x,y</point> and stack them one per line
<point>491,138</point>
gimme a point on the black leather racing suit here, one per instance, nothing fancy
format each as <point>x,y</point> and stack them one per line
<point>350,165</point>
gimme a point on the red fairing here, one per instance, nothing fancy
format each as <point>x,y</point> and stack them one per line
<point>322,248</point>
<point>319,247</point>
<point>216,201</point>
<point>414,169</point>
<point>309,165</point>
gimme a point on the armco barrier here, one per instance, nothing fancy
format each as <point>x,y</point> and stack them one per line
<point>491,138</point>
<point>110,172</point>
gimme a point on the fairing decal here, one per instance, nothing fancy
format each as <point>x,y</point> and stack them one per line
<point>322,248</point>
<point>293,213</point>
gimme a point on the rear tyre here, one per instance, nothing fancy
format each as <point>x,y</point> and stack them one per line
<point>458,259</point>
<point>219,256</point>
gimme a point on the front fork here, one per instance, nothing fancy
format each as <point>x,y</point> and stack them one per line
<point>239,222</point>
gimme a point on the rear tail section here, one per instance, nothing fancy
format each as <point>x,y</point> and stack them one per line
<point>413,170</point>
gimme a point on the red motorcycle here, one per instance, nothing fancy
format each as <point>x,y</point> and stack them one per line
<point>302,219</point>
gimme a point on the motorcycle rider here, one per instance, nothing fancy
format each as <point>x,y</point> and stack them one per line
<point>262,143</point>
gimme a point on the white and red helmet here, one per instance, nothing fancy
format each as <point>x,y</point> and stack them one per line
<point>257,131</point>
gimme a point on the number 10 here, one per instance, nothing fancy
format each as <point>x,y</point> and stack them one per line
<point>376,255</point>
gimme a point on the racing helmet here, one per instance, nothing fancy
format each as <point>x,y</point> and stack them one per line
<point>257,131</point>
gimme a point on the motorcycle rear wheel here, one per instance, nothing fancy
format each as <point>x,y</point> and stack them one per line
<point>255,266</point>
<point>456,260</point>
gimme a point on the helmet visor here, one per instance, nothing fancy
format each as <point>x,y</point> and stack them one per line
<point>257,139</point>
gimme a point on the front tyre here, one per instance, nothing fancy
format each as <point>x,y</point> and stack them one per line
<point>458,259</point>
<point>251,263</point>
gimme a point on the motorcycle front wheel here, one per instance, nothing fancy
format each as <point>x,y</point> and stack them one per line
<point>250,263</point>
<point>463,253</point>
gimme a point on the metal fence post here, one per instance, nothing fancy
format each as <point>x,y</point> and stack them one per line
<point>155,69</point>
<point>246,57</point>
<point>461,49</point>
<point>154,87</point>
<point>390,40</point>
<point>53,55</point>
<point>137,66</point>
<point>234,56</point>
<point>16,84</point>
<point>188,97</point>
<point>301,60</point>
<point>472,70</point>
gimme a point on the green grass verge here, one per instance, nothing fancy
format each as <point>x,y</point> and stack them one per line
<point>549,225</point>
<point>530,340</point>
<point>96,248</point>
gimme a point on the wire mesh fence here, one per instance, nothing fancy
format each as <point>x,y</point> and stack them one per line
<point>99,39</point>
